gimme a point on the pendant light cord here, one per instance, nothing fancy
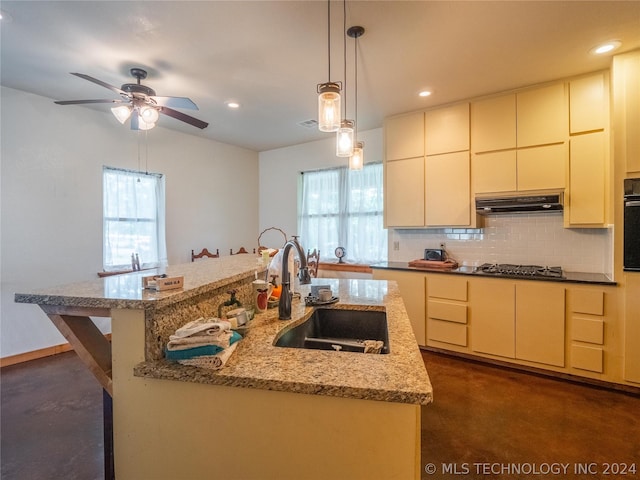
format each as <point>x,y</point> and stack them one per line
<point>329,37</point>
<point>355,56</point>
<point>344,49</point>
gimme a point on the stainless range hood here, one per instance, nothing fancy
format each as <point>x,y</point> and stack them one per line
<point>519,204</point>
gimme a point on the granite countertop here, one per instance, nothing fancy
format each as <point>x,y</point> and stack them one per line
<point>125,291</point>
<point>399,376</point>
<point>570,277</point>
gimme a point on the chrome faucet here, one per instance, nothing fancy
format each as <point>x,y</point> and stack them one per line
<point>284,305</point>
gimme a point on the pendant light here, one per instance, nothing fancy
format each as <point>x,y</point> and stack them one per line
<point>344,136</point>
<point>329,92</point>
<point>356,160</point>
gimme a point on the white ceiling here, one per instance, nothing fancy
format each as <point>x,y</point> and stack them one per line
<point>270,55</point>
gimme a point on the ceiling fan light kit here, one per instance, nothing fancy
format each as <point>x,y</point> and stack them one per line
<point>140,103</point>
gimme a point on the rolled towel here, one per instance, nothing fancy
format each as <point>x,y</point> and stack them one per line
<point>201,326</point>
<point>373,346</point>
<point>211,362</point>
<point>221,340</point>
<point>194,351</point>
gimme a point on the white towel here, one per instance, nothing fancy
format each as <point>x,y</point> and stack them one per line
<point>201,326</point>
<point>211,362</point>
<point>221,339</point>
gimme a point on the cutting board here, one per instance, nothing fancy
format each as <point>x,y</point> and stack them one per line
<point>434,264</point>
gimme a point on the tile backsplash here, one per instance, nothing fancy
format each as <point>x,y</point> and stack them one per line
<point>534,239</point>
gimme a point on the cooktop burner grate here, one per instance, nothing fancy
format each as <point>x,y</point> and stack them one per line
<point>520,270</point>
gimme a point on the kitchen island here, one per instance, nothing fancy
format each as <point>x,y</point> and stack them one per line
<point>271,412</point>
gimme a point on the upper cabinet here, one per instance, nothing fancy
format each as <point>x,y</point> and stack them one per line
<point>588,104</point>
<point>404,136</point>
<point>541,116</point>
<point>447,129</point>
<point>551,137</point>
<point>493,124</point>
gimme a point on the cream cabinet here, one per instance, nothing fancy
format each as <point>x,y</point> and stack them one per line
<point>447,129</point>
<point>447,199</point>
<point>588,176</point>
<point>447,297</point>
<point>404,136</point>
<point>588,103</point>
<point>587,329</point>
<point>541,115</point>
<point>536,168</point>
<point>626,95</point>
<point>412,289</point>
<point>493,124</point>
<point>508,319</point>
<point>404,192</point>
<point>632,328</point>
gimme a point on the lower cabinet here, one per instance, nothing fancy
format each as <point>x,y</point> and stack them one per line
<point>447,310</point>
<point>520,320</point>
<point>411,285</point>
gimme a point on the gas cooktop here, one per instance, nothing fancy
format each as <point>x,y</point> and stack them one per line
<point>531,271</point>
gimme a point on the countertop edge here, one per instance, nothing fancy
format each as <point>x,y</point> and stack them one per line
<point>572,277</point>
<point>164,370</point>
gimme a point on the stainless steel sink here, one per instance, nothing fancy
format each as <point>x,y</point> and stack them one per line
<point>334,329</point>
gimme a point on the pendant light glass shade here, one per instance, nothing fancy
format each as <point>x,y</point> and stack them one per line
<point>356,161</point>
<point>329,107</point>
<point>122,113</point>
<point>344,140</point>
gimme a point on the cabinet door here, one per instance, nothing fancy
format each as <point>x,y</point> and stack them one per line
<point>632,328</point>
<point>404,136</point>
<point>542,168</point>
<point>447,190</point>
<point>588,104</point>
<point>404,193</point>
<point>447,129</point>
<point>492,317</point>
<point>542,116</point>
<point>493,124</point>
<point>540,326</point>
<point>626,95</point>
<point>412,289</point>
<point>494,172</point>
<point>587,179</point>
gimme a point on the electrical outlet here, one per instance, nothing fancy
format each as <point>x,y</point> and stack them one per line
<point>443,246</point>
<point>396,245</point>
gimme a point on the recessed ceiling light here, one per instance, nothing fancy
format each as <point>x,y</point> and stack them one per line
<point>606,47</point>
<point>424,93</point>
<point>233,105</point>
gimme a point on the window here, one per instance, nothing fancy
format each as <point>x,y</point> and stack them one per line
<point>133,219</point>
<point>340,207</point>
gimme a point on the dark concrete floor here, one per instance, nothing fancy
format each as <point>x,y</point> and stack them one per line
<point>483,421</point>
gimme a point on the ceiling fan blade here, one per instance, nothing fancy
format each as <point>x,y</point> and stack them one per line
<point>101,83</point>
<point>175,102</point>
<point>183,117</point>
<point>80,102</point>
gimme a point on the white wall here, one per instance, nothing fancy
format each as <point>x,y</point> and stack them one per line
<point>279,174</point>
<point>51,201</point>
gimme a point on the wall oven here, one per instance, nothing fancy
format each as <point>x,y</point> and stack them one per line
<point>631,260</point>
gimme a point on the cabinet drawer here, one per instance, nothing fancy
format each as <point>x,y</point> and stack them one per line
<point>587,330</point>
<point>453,312</point>
<point>587,358</point>
<point>587,301</point>
<point>447,286</point>
<point>447,332</point>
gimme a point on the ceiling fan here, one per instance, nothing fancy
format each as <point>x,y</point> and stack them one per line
<point>140,103</point>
